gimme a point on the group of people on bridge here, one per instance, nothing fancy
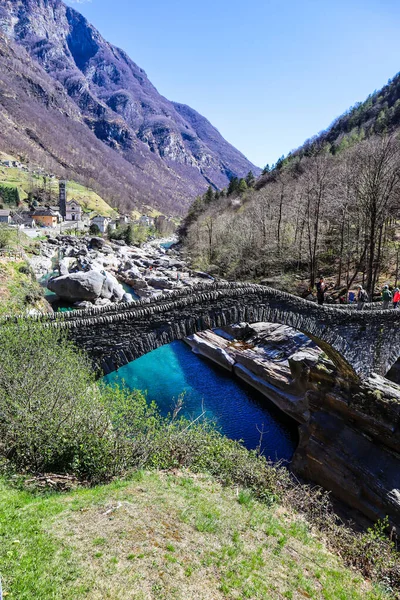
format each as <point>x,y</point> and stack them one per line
<point>390,299</point>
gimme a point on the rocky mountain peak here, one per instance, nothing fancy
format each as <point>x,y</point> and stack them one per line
<point>116,100</point>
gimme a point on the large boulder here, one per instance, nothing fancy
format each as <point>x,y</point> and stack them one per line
<point>87,286</point>
<point>96,243</point>
<point>131,274</point>
<point>138,284</point>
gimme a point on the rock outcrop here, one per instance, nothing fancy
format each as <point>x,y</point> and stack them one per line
<point>349,433</point>
<point>262,360</point>
<point>351,443</point>
<point>87,286</point>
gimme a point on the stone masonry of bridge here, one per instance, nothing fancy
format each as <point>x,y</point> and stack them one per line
<point>358,342</point>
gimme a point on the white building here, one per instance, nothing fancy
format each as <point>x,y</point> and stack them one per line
<point>73,211</point>
<point>123,220</point>
<point>101,222</point>
<point>5,216</point>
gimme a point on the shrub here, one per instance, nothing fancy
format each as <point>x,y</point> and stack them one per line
<point>7,235</point>
<point>51,414</point>
<point>94,229</point>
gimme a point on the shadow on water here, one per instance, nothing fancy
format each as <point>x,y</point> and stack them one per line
<point>238,410</point>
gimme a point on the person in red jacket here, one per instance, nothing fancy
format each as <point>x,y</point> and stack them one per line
<point>396,297</point>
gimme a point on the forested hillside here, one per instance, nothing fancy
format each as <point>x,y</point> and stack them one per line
<point>329,207</point>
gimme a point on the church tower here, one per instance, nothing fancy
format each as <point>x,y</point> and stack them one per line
<point>62,198</point>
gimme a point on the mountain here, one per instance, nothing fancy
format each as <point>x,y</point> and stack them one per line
<point>59,74</point>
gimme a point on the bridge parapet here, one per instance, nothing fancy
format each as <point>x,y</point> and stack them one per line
<point>359,342</point>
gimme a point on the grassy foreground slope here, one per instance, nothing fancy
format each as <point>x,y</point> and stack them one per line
<point>164,536</point>
<point>175,509</point>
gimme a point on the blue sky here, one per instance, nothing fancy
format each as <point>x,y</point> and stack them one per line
<point>267,73</point>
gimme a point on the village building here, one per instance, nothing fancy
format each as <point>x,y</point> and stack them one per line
<point>23,219</point>
<point>5,216</point>
<point>62,198</point>
<point>123,220</point>
<point>73,211</point>
<point>46,217</point>
<point>101,222</point>
<point>146,221</point>
<point>70,210</point>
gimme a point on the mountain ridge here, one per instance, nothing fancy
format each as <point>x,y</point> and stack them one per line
<point>119,104</point>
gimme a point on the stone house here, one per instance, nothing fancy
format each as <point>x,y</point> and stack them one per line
<point>46,217</point>
<point>101,222</point>
<point>146,221</point>
<point>23,219</point>
<point>5,216</point>
<point>123,220</point>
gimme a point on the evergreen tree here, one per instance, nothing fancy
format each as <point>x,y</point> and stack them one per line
<point>209,195</point>
<point>266,169</point>
<point>242,186</point>
<point>233,186</point>
<point>250,179</point>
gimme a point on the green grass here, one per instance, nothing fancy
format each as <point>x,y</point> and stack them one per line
<point>173,536</point>
<point>19,291</point>
<point>23,181</point>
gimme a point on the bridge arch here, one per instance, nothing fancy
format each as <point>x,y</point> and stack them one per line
<point>358,342</point>
<point>115,335</point>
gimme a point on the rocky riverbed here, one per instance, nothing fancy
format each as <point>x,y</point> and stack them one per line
<point>91,270</point>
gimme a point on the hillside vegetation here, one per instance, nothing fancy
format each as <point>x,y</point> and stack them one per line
<point>19,290</point>
<point>330,207</point>
<point>26,183</point>
<point>315,214</point>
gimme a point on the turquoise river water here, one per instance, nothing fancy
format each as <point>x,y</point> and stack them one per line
<point>239,411</point>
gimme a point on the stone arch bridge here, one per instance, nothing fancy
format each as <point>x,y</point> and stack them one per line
<point>358,342</point>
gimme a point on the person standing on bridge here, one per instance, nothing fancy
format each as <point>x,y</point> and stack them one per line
<point>386,297</point>
<point>362,297</point>
<point>396,297</point>
<point>321,289</point>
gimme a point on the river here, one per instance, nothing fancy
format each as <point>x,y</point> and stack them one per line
<point>239,411</point>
